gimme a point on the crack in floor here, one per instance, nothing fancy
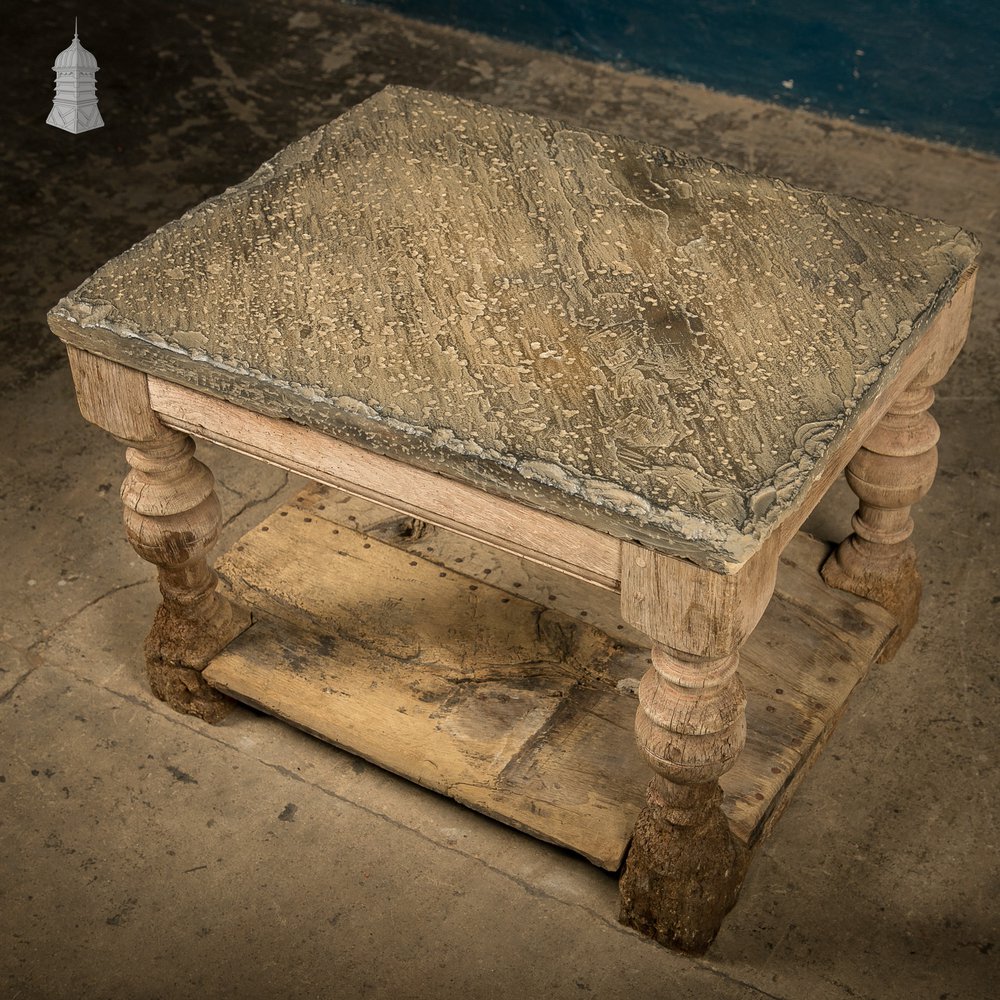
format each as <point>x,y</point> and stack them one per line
<point>252,503</point>
<point>50,633</point>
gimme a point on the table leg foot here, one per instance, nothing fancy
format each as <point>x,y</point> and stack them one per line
<point>890,579</point>
<point>178,648</point>
<point>684,869</point>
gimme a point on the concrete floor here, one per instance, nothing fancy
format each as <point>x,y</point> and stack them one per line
<point>146,855</point>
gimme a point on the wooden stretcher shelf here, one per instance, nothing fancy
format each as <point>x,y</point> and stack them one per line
<point>509,687</point>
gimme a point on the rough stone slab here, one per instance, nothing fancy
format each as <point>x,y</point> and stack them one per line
<point>655,344</point>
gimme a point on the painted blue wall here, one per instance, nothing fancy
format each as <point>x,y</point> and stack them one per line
<point>919,66</point>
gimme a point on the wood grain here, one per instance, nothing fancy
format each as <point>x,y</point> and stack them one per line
<point>172,519</point>
<point>693,610</point>
<point>522,712</point>
<point>572,548</point>
<point>113,397</point>
<point>517,574</point>
<point>657,345</point>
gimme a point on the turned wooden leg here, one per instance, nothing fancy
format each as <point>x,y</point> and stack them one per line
<point>894,468</point>
<point>685,867</point>
<point>172,518</point>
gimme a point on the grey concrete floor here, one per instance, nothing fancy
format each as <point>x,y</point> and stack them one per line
<point>144,854</point>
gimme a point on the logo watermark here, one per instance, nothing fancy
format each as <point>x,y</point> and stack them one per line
<point>75,106</point>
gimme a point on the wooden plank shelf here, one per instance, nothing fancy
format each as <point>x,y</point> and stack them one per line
<point>507,686</point>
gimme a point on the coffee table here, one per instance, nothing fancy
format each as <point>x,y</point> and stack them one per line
<point>611,381</point>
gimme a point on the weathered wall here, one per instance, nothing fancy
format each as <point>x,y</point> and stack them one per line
<point>926,67</point>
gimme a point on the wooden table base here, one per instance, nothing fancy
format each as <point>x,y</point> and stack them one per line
<point>509,687</point>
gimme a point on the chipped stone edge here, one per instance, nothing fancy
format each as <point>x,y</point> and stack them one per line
<point>683,533</point>
<point>562,493</point>
<point>776,497</point>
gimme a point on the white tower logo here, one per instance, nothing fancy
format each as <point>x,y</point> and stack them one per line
<point>75,104</point>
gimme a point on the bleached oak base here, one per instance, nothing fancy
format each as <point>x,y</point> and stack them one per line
<point>891,471</point>
<point>501,669</point>
<point>509,687</point>
<point>172,519</point>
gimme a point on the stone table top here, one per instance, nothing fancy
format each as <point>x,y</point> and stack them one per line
<point>659,346</point>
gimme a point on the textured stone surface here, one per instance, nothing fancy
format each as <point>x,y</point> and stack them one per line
<point>122,878</point>
<point>635,338</point>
